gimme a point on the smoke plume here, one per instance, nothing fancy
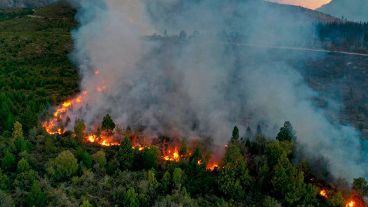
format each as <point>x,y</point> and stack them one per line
<point>207,79</point>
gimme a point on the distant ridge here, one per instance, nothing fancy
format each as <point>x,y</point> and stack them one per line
<point>299,12</point>
<point>353,10</point>
<point>6,4</point>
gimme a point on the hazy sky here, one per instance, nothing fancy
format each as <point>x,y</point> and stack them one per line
<point>313,4</point>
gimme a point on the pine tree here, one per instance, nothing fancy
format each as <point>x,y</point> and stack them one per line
<point>108,124</point>
<point>286,133</point>
<point>235,135</point>
<point>36,197</point>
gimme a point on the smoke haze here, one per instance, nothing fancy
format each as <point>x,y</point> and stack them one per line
<point>200,85</point>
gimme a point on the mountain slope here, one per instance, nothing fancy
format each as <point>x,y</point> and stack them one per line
<point>355,10</point>
<point>24,3</point>
<point>299,11</point>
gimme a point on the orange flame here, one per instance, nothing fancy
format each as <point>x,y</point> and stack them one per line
<point>172,155</point>
<point>102,140</point>
<point>350,204</point>
<point>212,166</point>
<point>53,126</point>
<point>323,193</point>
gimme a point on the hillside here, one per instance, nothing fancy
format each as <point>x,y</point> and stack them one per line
<point>35,70</point>
<point>75,168</point>
<point>24,3</point>
<point>354,10</point>
<point>299,12</point>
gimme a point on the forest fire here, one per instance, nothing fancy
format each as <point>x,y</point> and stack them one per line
<point>60,120</point>
<point>354,201</point>
<point>56,126</point>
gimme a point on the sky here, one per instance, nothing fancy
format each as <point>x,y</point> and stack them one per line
<point>312,4</point>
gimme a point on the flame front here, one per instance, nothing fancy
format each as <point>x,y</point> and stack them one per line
<point>57,125</point>
<point>172,155</point>
<point>54,125</point>
<point>103,140</point>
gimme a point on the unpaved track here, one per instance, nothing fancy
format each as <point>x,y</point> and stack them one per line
<point>301,49</point>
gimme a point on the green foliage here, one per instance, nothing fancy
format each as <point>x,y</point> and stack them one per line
<point>24,180</point>
<point>79,129</point>
<point>234,179</point>
<point>274,151</point>
<point>337,200</point>
<point>166,181</point>
<point>288,183</point>
<point>197,178</point>
<point>86,203</point>
<point>17,130</point>
<point>34,65</point>
<point>4,181</point>
<point>360,186</point>
<point>63,166</point>
<point>286,133</point>
<point>179,198</point>
<point>6,112</point>
<point>183,150</point>
<point>107,123</point>
<point>13,13</point>
<point>100,159</point>
<point>151,157</point>
<point>177,178</point>
<point>126,154</point>
<point>130,198</point>
<point>23,166</point>
<point>235,136</point>
<point>270,202</point>
<point>85,159</point>
<point>152,182</point>
<point>6,200</point>
<point>8,161</point>
<point>36,197</point>
<point>49,145</point>
<point>21,144</point>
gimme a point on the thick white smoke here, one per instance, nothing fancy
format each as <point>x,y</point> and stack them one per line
<point>200,85</point>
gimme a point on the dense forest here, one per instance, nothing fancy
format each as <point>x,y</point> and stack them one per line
<point>38,169</point>
<point>345,36</point>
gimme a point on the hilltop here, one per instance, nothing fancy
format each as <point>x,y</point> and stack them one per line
<point>24,3</point>
<point>301,12</point>
<point>356,11</point>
